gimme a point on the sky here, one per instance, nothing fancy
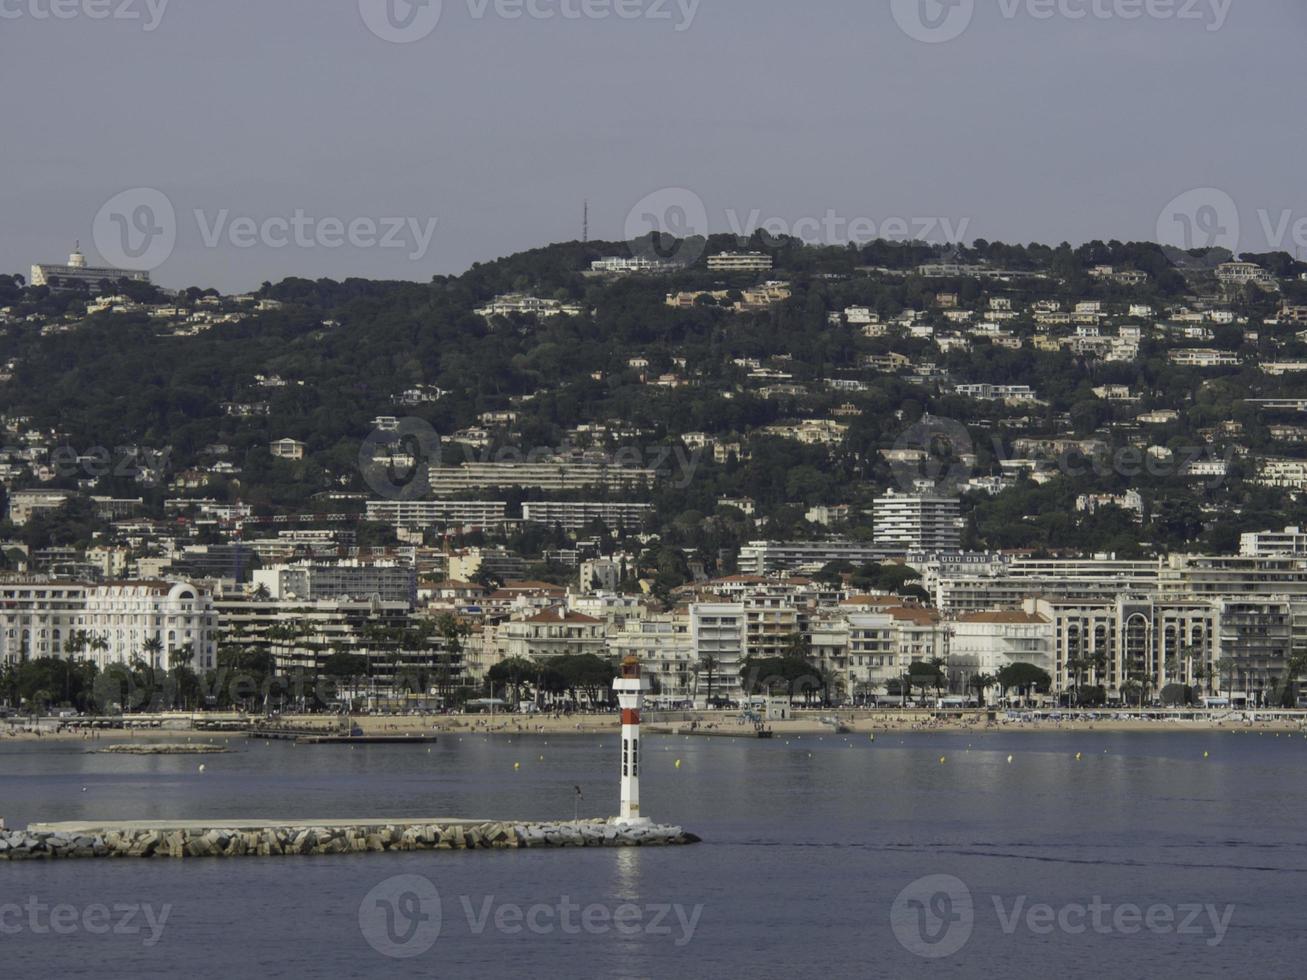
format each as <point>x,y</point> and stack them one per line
<point>228,142</point>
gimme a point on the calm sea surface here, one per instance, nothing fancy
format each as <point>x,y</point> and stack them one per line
<point>1141,858</point>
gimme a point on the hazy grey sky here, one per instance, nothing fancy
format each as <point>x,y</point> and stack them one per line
<point>1032,124</point>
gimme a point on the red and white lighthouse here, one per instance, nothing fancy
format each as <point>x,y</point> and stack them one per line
<point>629,687</point>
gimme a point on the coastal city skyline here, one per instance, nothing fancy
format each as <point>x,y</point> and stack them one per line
<point>652,488</point>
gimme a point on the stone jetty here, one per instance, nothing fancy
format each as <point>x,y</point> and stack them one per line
<point>158,748</point>
<point>199,839</point>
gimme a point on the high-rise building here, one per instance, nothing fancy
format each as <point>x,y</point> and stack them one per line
<point>914,523</point>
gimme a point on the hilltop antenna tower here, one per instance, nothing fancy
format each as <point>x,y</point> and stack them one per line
<point>585,223</point>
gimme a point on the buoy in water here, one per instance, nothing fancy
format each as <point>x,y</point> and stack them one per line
<point>1009,760</point>
<point>201,767</point>
<point>678,763</point>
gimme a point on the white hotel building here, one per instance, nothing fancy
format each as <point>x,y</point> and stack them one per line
<point>77,271</point>
<point>37,618</point>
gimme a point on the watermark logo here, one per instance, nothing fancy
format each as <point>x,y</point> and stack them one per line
<point>934,454</point>
<point>401,21</point>
<point>121,462</point>
<point>302,230</point>
<point>136,229</point>
<point>933,21</point>
<point>833,228</point>
<point>933,917</point>
<point>401,917</point>
<point>148,12</point>
<point>938,21</point>
<point>670,224</point>
<point>1207,218</point>
<point>1205,921</point>
<point>127,919</point>
<point>1200,218</point>
<point>396,459</point>
<point>406,21</point>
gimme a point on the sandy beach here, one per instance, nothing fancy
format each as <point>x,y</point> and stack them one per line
<point>700,723</point>
<point>708,724</point>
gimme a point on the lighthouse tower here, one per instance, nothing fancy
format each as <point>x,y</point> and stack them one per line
<point>629,687</point>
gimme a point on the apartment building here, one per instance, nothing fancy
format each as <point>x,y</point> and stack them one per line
<point>573,515</point>
<point>769,557</point>
<point>438,513</point>
<point>981,644</point>
<point>388,581</point>
<point>562,475</point>
<point>552,633</point>
<point>905,522</point>
<point>719,634</point>
<point>1291,541</point>
<point>740,262</point>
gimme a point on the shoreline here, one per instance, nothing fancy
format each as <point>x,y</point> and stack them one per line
<point>691,724</point>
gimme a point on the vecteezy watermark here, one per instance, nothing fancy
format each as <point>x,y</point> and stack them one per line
<point>933,21</point>
<point>935,454</point>
<point>301,230</point>
<point>402,918</point>
<point>934,917</point>
<point>670,225</point>
<point>43,919</point>
<point>1207,218</point>
<point>833,228</point>
<point>396,459</point>
<point>938,21</point>
<point>121,462</point>
<point>137,229</point>
<point>938,455</point>
<point>401,21</point>
<point>148,12</point>
<point>673,223</point>
<point>406,21</point>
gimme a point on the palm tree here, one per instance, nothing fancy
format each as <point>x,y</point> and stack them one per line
<point>453,631</point>
<point>980,683</point>
<point>152,648</point>
<point>1140,680</point>
<point>1076,666</point>
<point>180,659</point>
<point>1225,668</point>
<point>1294,669</point>
<point>1130,687</point>
<point>709,664</point>
<point>941,675</point>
